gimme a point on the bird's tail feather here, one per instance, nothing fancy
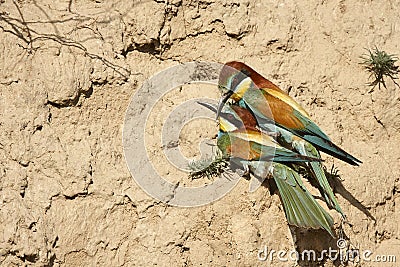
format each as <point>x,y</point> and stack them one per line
<point>331,149</point>
<point>307,149</point>
<point>300,207</point>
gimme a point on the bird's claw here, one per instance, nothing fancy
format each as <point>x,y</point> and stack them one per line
<point>244,172</point>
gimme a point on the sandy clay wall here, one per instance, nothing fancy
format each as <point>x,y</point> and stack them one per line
<point>68,72</point>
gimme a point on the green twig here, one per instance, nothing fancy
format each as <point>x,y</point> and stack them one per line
<point>209,167</point>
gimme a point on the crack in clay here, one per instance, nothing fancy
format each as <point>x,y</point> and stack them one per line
<point>72,102</point>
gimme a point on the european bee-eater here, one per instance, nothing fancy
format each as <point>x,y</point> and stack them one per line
<point>240,138</point>
<point>270,104</point>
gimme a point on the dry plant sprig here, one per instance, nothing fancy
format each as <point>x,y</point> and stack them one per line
<point>209,167</point>
<point>380,64</point>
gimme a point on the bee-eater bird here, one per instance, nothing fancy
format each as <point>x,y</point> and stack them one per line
<point>240,139</point>
<point>268,103</point>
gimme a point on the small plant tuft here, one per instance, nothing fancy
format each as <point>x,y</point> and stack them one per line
<point>209,167</point>
<point>380,64</point>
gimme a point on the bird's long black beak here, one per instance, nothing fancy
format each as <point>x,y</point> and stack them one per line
<point>211,107</point>
<point>222,102</point>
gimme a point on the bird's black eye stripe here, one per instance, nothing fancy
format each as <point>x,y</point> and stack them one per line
<point>232,119</point>
<point>238,78</point>
<point>235,82</point>
<point>245,72</point>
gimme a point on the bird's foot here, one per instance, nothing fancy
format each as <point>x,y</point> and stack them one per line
<point>243,172</point>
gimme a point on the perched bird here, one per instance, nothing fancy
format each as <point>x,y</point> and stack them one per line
<point>269,104</point>
<point>244,85</point>
<point>240,139</point>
